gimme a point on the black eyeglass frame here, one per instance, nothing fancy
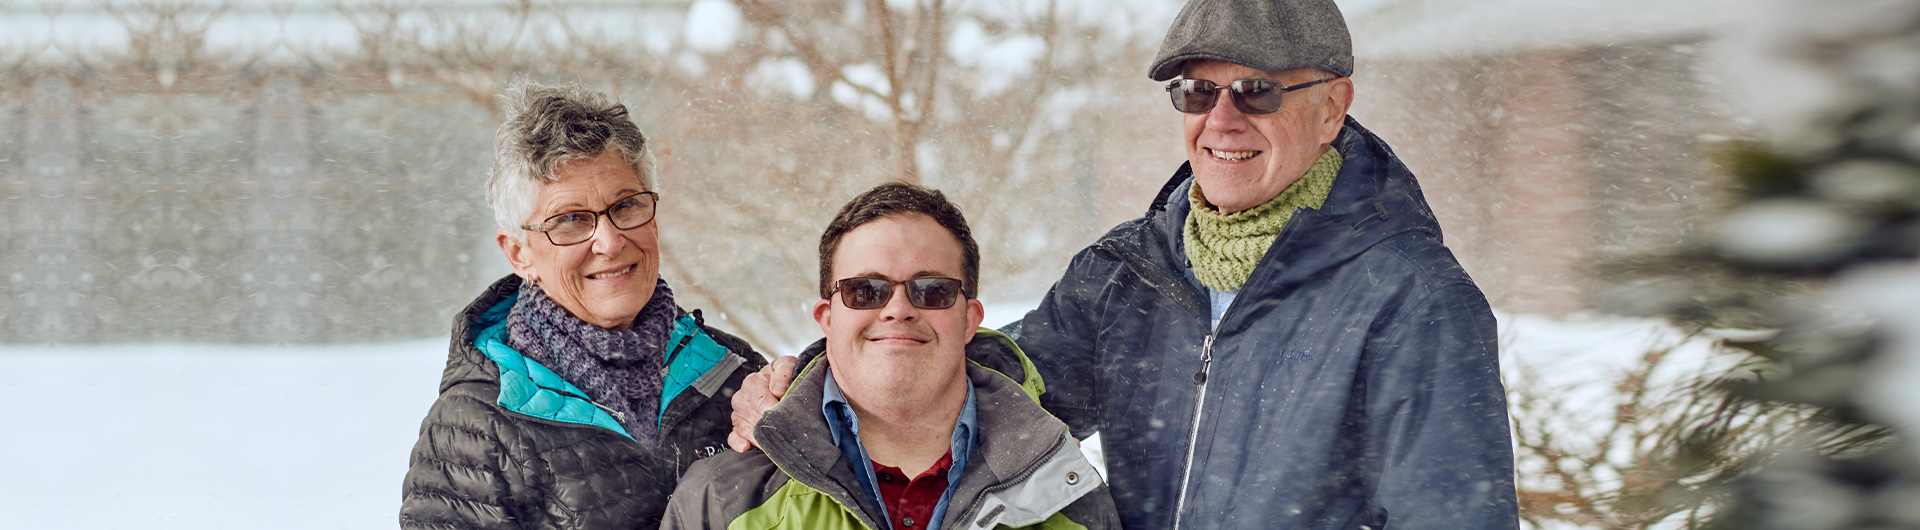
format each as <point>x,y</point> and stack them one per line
<point>1239,88</point>
<point>916,292</point>
<point>546,226</point>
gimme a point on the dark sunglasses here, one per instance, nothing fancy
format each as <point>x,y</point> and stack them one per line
<point>1251,96</point>
<point>924,293</point>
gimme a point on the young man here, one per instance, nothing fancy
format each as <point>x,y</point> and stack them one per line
<point>907,415</point>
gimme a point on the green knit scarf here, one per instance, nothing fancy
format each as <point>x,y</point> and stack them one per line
<point>1224,248</point>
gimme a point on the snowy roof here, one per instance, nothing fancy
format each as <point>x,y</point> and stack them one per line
<point>1410,29</point>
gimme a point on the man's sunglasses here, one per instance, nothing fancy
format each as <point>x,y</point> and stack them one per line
<point>924,293</point>
<point>1251,96</point>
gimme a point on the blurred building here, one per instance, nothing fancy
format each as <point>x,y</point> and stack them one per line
<point>1557,140</point>
<point>168,190</point>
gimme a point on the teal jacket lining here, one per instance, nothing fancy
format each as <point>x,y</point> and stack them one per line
<point>527,387</point>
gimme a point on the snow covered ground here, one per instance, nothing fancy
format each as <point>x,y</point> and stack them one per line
<point>211,437</point>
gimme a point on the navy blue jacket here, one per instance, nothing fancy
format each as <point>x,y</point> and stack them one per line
<point>1353,383</point>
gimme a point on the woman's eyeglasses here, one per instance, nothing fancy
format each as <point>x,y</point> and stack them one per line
<point>1251,96</point>
<point>572,228</point>
<point>924,293</point>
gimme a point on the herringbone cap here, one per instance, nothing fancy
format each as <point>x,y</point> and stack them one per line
<point>1271,35</point>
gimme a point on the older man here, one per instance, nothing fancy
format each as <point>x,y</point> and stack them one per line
<point>907,415</point>
<point>1282,341</point>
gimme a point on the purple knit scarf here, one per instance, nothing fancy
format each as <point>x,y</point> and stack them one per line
<point>620,370</point>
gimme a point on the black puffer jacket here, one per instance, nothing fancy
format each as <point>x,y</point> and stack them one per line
<point>510,445</point>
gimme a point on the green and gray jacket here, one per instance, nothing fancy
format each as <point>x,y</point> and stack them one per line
<point>1025,471</point>
<point>511,445</point>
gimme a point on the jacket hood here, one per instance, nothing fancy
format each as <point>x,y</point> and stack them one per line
<point>465,362</point>
<point>1374,198</point>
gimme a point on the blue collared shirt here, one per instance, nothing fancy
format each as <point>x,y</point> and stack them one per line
<point>845,426</point>
<point>1221,301</point>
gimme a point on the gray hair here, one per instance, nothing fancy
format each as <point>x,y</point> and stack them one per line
<point>547,126</point>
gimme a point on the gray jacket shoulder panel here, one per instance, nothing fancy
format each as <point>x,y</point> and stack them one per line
<point>722,487</point>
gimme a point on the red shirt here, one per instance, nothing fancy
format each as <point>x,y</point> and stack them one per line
<point>910,502</point>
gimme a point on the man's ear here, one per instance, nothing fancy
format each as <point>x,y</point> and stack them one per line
<point>976,313</point>
<point>823,313</point>
<point>1338,99</point>
<point>516,255</point>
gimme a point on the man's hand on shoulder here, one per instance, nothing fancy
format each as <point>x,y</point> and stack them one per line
<point>758,392</point>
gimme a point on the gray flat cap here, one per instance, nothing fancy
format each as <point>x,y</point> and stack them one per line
<point>1271,35</point>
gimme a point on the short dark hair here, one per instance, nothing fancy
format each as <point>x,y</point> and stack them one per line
<point>900,198</point>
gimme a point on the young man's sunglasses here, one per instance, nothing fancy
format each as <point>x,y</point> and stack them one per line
<point>1251,96</point>
<point>924,293</point>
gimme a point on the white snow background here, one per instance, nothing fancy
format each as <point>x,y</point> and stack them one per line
<point>210,437</point>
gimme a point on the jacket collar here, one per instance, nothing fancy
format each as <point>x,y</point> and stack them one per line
<point>479,354</point>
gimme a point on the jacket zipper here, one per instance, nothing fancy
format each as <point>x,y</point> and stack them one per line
<point>1193,434</point>
<point>1132,259</point>
<point>570,424</point>
<point>617,415</point>
<point>700,323</point>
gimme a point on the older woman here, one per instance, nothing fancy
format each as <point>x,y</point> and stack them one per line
<point>577,391</point>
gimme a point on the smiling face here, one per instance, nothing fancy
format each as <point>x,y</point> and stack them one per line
<point>604,280</point>
<point>897,350</point>
<point>1243,160</point>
